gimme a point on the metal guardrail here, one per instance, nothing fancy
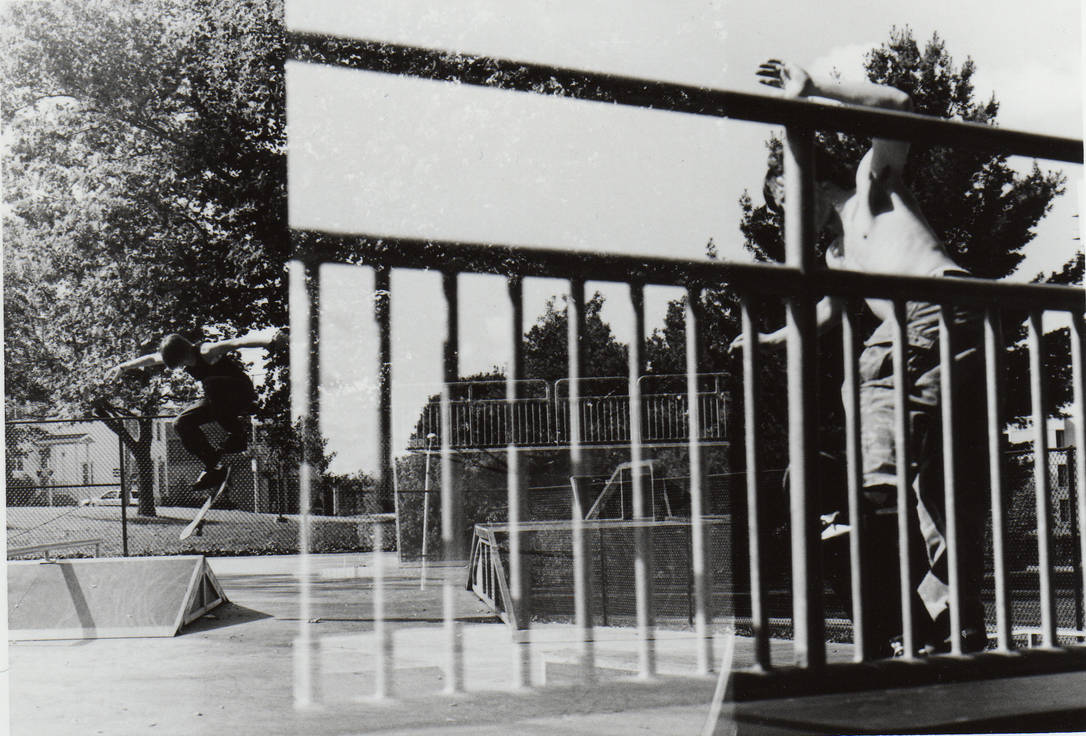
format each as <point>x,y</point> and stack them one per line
<point>798,281</point>
<point>543,421</point>
<point>47,548</point>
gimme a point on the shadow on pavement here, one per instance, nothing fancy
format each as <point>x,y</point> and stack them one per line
<point>228,614</point>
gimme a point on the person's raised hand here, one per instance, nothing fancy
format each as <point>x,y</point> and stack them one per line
<point>792,80</point>
<point>736,346</point>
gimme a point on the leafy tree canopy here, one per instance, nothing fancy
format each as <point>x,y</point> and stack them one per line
<point>145,185</point>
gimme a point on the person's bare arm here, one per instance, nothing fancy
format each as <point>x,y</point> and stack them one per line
<point>212,352</point>
<point>144,361</point>
<point>827,313</point>
<point>795,82</point>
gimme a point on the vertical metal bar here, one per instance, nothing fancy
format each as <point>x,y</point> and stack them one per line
<point>854,472</point>
<point>517,584</point>
<point>1076,534</point>
<point>701,573</point>
<point>123,495</point>
<point>383,316</point>
<point>575,321</point>
<point>1040,479</point>
<point>302,353</point>
<point>450,498</point>
<point>996,443</point>
<point>950,495</point>
<point>380,630</point>
<point>809,625</point>
<point>451,371</point>
<point>751,411</point>
<point>1078,379</point>
<point>901,461</point>
<point>643,542</point>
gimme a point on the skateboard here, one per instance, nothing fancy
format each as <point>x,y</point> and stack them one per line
<point>197,523</point>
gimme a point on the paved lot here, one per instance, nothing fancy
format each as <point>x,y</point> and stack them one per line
<point>239,672</point>
<point>234,672</point>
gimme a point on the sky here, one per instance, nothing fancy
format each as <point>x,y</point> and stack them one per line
<point>384,155</point>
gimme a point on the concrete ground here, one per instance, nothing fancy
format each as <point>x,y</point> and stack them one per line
<point>242,671</point>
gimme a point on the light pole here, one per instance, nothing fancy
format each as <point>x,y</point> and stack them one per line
<point>426,506</point>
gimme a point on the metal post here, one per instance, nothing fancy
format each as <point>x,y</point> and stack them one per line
<point>382,312</point>
<point>1078,378</point>
<point>996,443</point>
<point>451,374</point>
<point>854,469</point>
<point>809,626</point>
<point>1076,536</point>
<point>124,498</point>
<point>1041,481</point>
<point>946,388</point>
<point>450,499</point>
<point>575,323</point>
<point>518,583</point>
<point>904,488</point>
<point>643,542</point>
<point>303,348</point>
<point>751,405</point>
<point>426,508</point>
<point>382,639</point>
<point>703,616</point>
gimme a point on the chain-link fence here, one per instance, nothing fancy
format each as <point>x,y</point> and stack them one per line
<point>79,480</point>
<point>611,548</point>
<point>1022,544</point>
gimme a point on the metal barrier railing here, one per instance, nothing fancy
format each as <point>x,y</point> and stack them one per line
<point>798,282</point>
<point>543,421</point>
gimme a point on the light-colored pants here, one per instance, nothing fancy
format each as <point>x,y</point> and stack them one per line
<point>924,401</point>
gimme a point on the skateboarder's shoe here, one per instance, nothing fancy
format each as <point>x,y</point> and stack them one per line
<point>210,479</point>
<point>834,525</point>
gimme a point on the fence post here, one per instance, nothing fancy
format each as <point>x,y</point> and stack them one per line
<point>1076,534</point>
<point>124,499</point>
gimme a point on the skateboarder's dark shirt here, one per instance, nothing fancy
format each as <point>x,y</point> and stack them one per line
<point>226,367</point>
<point>225,383</point>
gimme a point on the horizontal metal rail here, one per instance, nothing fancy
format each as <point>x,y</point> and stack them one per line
<point>523,76</point>
<point>47,548</point>
<point>525,261</point>
<point>66,485</point>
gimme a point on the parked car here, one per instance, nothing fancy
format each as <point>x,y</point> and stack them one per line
<point>111,498</point>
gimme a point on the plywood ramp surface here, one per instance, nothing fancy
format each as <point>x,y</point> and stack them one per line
<point>109,597</point>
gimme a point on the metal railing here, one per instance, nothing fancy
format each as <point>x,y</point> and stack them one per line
<point>543,420</point>
<point>798,282</point>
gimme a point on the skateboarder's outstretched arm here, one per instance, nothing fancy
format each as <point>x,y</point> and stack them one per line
<point>144,361</point>
<point>258,339</point>
<point>211,352</point>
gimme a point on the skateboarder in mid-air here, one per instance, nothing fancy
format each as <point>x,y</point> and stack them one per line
<point>229,396</point>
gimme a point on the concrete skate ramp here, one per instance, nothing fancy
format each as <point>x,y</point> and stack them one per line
<point>109,597</point>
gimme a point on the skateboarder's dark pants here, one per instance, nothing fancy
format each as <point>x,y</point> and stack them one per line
<point>227,401</point>
<point>926,506</point>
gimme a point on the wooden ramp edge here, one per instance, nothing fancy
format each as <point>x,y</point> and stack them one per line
<point>109,597</point>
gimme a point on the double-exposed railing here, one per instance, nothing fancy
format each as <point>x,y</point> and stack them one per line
<point>798,283</point>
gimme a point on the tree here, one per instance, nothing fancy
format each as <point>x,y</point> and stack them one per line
<point>145,190</point>
<point>546,344</point>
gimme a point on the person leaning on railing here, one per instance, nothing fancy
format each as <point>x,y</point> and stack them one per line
<point>879,229</point>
